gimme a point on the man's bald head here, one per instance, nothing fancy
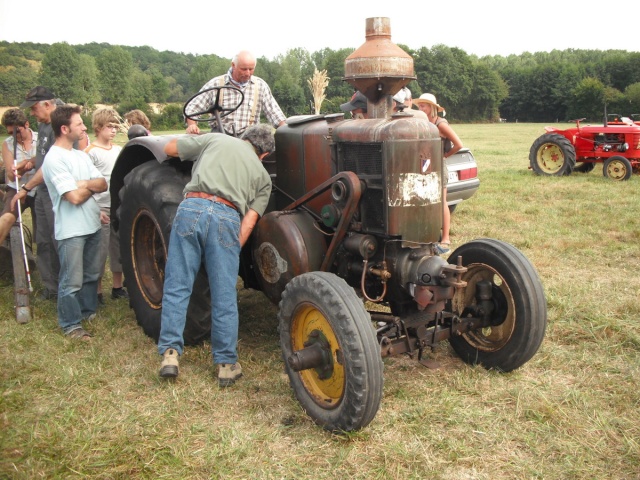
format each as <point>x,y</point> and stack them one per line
<point>242,66</point>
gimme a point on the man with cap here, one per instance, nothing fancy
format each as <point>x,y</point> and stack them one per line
<point>403,100</point>
<point>42,102</point>
<point>357,106</point>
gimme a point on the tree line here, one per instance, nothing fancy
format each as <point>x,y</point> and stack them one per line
<point>531,87</point>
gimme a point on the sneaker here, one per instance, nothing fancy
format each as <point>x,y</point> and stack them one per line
<point>117,293</point>
<point>228,373</point>
<point>169,365</point>
<point>101,299</point>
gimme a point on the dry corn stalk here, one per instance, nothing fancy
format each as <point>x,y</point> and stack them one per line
<point>318,84</point>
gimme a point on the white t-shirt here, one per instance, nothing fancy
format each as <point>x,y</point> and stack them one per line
<point>104,159</point>
<point>62,168</point>
<point>20,155</point>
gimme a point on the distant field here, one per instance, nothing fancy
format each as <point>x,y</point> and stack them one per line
<point>99,410</point>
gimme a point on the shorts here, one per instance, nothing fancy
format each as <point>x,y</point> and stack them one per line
<point>29,202</point>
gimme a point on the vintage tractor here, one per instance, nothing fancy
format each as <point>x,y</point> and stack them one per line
<point>615,144</point>
<point>346,250</point>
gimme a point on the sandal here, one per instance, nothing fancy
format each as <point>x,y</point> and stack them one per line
<point>443,248</point>
<point>80,334</point>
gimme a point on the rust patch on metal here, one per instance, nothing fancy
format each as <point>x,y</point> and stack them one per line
<point>270,263</point>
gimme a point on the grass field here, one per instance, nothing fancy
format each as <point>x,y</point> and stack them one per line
<point>98,410</point>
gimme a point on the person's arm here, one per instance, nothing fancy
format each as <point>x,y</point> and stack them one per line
<point>246,227</point>
<point>270,107</point>
<point>86,188</point>
<point>23,166</point>
<point>199,104</point>
<point>36,180</point>
<point>447,132</point>
<point>171,148</point>
<point>192,127</point>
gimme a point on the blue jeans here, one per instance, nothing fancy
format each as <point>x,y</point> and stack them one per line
<point>203,231</point>
<point>79,272</point>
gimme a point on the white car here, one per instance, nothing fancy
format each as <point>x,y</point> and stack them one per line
<point>463,177</point>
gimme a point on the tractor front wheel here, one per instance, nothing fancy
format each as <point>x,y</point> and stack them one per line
<point>516,309</point>
<point>552,154</point>
<point>617,168</point>
<point>330,351</point>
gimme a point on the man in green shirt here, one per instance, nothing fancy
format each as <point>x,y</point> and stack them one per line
<point>228,192</point>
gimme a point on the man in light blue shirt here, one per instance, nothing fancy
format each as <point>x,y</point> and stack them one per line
<point>72,179</point>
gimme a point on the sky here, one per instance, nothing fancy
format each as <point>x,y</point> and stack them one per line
<point>271,28</point>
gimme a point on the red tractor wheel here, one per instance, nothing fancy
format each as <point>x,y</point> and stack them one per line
<point>552,154</point>
<point>617,168</point>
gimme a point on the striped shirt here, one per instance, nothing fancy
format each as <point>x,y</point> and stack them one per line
<point>247,114</point>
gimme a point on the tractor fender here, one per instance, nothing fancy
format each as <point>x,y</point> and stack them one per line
<point>136,152</point>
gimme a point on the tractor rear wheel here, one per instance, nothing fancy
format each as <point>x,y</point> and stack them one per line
<point>322,317</point>
<point>617,168</point>
<point>518,309</point>
<point>149,200</point>
<point>552,154</point>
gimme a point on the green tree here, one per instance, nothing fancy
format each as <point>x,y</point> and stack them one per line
<point>87,74</point>
<point>116,70</point>
<point>447,73</point>
<point>176,93</point>
<point>338,91</point>
<point>632,95</point>
<point>287,89</point>
<point>15,82</point>
<point>204,69</point>
<point>59,73</point>
<point>141,87</point>
<point>159,84</point>
<point>588,100</point>
<point>488,91</point>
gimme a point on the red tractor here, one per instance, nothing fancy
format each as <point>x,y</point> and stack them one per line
<point>616,144</point>
<point>346,249</point>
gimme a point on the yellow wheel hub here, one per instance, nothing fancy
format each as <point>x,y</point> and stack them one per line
<point>550,158</point>
<point>307,322</point>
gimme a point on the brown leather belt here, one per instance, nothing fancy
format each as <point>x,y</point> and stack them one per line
<point>213,198</point>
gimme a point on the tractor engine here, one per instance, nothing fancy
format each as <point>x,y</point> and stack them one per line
<point>360,198</point>
<point>610,142</point>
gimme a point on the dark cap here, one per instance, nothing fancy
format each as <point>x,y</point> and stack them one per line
<point>357,101</point>
<point>136,131</point>
<point>35,95</point>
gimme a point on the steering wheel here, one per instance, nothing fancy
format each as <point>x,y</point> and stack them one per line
<point>216,111</point>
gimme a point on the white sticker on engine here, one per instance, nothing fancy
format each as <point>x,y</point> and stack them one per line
<point>414,190</point>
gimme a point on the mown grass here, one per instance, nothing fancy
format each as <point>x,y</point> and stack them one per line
<point>99,410</point>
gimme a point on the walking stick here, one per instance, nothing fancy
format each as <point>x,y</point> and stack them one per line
<point>15,168</point>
